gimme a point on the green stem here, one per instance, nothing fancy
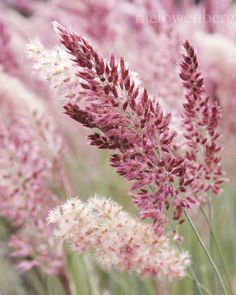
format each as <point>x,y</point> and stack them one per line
<point>207,253</point>
<point>199,285</point>
<point>210,214</point>
<point>193,276</point>
<point>210,223</point>
<point>218,248</point>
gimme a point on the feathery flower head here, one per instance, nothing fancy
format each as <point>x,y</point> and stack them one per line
<point>30,147</point>
<point>56,68</point>
<point>26,199</point>
<point>132,123</point>
<point>33,246</point>
<point>23,171</point>
<point>29,109</point>
<point>200,121</point>
<point>116,238</point>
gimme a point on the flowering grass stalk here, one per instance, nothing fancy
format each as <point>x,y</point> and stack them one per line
<point>132,123</point>
<point>165,170</point>
<point>207,253</point>
<point>218,248</point>
<point>170,167</point>
<point>201,118</point>
<point>116,238</point>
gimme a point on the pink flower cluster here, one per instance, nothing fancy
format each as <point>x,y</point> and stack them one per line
<point>167,147</point>
<point>25,170</point>
<point>117,239</point>
<point>131,122</point>
<point>7,59</point>
<point>25,198</point>
<point>200,119</point>
<point>30,147</point>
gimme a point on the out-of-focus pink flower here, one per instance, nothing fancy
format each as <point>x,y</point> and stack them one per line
<point>25,7</point>
<point>24,170</point>
<point>25,197</point>
<point>173,7</point>
<point>98,12</point>
<point>212,8</point>
<point>117,239</point>
<point>37,250</point>
<point>7,59</point>
<point>30,148</point>
<point>34,246</point>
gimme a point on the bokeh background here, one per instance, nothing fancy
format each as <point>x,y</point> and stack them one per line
<point>148,34</point>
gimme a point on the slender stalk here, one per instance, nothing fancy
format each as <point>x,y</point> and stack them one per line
<point>210,217</point>
<point>193,276</point>
<point>210,213</point>
<point>199,285</point>
<point>218,248</point>
<point>207,253</point>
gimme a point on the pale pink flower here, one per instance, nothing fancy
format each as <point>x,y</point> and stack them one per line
<point>56,68</point>
<point>117,239</point>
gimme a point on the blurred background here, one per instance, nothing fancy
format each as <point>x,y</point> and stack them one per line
<point>148,34</point>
